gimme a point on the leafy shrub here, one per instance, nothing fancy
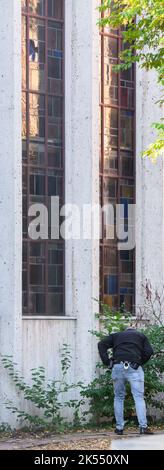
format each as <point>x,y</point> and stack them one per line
<point>154,369</point>
<point>45,397</point>
<point>100,390</point>
<point>5,428</point>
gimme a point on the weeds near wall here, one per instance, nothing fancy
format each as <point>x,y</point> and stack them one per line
<point>100,391</point>
<point>46,398</point>
<point>50,399</point>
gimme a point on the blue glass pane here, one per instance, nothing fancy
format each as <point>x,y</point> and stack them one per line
<point>125,202</point>
<point>111,285</point>
<point>124,255</point>
<point>123,290</point>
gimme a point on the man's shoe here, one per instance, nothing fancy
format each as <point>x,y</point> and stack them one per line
<point>147,431</point>
<point>119,432</point>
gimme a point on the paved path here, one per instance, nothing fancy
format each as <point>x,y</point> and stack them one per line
<point>155,442</point>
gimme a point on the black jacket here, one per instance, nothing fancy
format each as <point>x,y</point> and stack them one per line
<point>129,345</point>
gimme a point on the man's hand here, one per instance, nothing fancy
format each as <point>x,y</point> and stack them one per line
<point>110,366</point>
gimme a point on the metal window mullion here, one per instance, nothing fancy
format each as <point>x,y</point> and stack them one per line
<point>116,177</point>
<point>41,93</point>
<point>46,155</point>
<point>119,160</point>
<point>102,158</point>
<point>101,244</point>
<point>115,106</point>
<point>63,149</point>
<point>43,17</point>
<point>134,174</point>
<point>28,160</point>
<point>111,35</point>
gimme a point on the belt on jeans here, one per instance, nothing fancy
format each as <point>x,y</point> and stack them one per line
<point>128,364</point>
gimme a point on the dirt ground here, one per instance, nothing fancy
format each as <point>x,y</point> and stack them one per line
<point>86,440</point>
<point>82,444</point>
<point>80,440</point>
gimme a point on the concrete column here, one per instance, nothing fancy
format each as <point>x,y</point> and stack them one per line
<point>82,172</point>
<point>149,189</point>
<point>10,190</point>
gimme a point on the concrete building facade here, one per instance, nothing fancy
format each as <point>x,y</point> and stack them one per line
<point>33,334</point>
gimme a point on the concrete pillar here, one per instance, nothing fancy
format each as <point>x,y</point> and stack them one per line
<point>10,190</point>
<point>149,189</point>
<point>82,172</point>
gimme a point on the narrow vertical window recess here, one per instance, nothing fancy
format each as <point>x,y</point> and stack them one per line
<point>117,168</point>
<point>42,150</point>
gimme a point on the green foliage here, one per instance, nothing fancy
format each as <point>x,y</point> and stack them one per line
<point>112,320</point>
<point>156,149</point>
<point>100,395</point>
<point>5,428</point>
<point>154,369</point>
<point>50,399</point>
<point>142,23</point>
<point>101,398</point>
<point>100,390</point>
<point>46,398</point>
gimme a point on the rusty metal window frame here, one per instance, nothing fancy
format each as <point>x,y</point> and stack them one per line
<point>28,167</point>
<point>108,174</point>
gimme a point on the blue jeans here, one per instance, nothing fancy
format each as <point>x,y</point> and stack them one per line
<point>136,379</point>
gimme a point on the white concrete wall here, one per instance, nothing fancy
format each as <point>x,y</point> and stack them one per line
<point>82,170</point>
<point>39,341</point>
<point>149,189</point>
<point>42,338</point>
<point>42,342</point>
<point>10,191</point>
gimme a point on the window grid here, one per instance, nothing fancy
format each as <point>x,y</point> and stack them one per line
<point>117,168</point>
<point>43,151</point>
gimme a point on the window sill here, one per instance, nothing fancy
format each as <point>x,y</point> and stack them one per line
<point>29,317</point>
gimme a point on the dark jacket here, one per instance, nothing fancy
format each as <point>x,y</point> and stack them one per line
<point>129,345</point>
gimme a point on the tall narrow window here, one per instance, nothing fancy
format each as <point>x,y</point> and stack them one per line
<point>117,167</point>
<point>43,150</point>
